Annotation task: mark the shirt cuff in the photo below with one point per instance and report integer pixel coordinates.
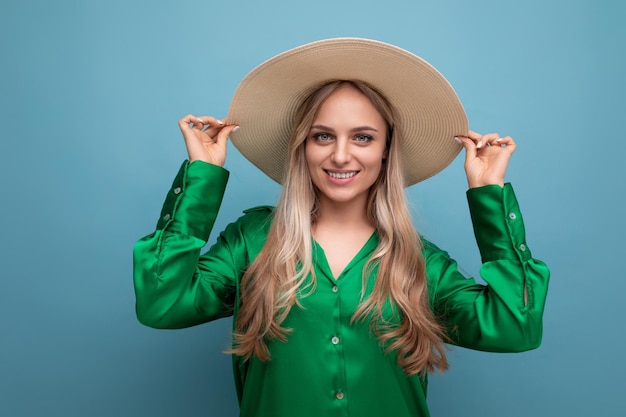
(194, 199)
(498, 223)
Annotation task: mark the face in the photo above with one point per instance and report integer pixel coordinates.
(345, 147)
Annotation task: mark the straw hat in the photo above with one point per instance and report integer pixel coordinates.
(429, 114)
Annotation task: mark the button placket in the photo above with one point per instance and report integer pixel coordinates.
(336, 343)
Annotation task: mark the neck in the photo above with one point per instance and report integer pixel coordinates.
(342, 216)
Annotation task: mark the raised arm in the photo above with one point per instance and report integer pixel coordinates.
(506, 314)
(174, 286)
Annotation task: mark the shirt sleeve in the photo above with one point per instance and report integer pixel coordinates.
(175, 286)
(506, 314)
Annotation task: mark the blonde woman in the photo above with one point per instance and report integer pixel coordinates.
(340, 307)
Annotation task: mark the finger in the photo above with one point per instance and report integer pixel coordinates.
(473, 135)
(184, 122)
(477, 138)
(211, 125)
(197, 123)
(210, 121)
(222, 136)
(213, 129)
(469, 145)
(506, 142)
(487, 140)
(190, 122)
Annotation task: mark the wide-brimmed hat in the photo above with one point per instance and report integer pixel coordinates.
(427, 110)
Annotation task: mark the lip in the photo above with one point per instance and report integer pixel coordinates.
(338, 180)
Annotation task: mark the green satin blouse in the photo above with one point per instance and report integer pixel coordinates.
(329, 366)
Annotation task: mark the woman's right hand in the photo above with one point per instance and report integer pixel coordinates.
(205, 138)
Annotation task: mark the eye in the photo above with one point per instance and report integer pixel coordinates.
(361, 138)
(322, 137)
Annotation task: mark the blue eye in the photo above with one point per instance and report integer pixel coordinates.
(363, 138)
(322, 137)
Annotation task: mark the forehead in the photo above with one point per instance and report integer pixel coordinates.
(348, 102)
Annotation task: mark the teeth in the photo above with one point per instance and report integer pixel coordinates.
(342, 175)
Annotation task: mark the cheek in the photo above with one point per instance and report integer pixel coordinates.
(313, 155)
(377, 159)
(311, 162)
(308, 157)
(380, 167)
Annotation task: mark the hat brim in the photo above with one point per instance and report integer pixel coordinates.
(428, 111)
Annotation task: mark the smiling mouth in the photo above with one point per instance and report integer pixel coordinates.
(342, 175)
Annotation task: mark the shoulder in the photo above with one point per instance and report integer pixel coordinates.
(254, 220)
(249, 232)
(429, 249)
(259, 210)
(257, 214)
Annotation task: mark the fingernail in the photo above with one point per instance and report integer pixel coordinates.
(499, 140)
(236, 128)
(458, 140)
(220, 122)
(479, 144)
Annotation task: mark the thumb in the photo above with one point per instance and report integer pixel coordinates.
(469, 145)
(222, 136)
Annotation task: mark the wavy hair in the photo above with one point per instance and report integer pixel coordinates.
(271, 285)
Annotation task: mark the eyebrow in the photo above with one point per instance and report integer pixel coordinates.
(358, 128)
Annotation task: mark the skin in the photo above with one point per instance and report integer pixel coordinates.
(348, 137)
(486, 158)
(206, 137)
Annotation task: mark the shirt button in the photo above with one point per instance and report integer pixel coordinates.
(512, 216)
(334, 340)
(522, 247)
(339, 395)
(335, 288)
(167, 217)
(177, 190)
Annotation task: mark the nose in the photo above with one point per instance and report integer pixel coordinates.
(341, 152)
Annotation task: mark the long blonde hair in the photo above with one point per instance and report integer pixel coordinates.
(272, 283)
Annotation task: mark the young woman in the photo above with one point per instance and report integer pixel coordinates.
(339, 306)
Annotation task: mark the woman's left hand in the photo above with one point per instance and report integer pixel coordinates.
(486, 158)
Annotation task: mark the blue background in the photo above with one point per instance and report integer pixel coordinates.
(90, 96)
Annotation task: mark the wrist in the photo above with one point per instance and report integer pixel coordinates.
(477, 184)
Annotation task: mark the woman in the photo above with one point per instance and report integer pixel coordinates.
(340, 307)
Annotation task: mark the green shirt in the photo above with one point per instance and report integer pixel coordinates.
(329, 366)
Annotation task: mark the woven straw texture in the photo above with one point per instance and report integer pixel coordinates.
(429, 114)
